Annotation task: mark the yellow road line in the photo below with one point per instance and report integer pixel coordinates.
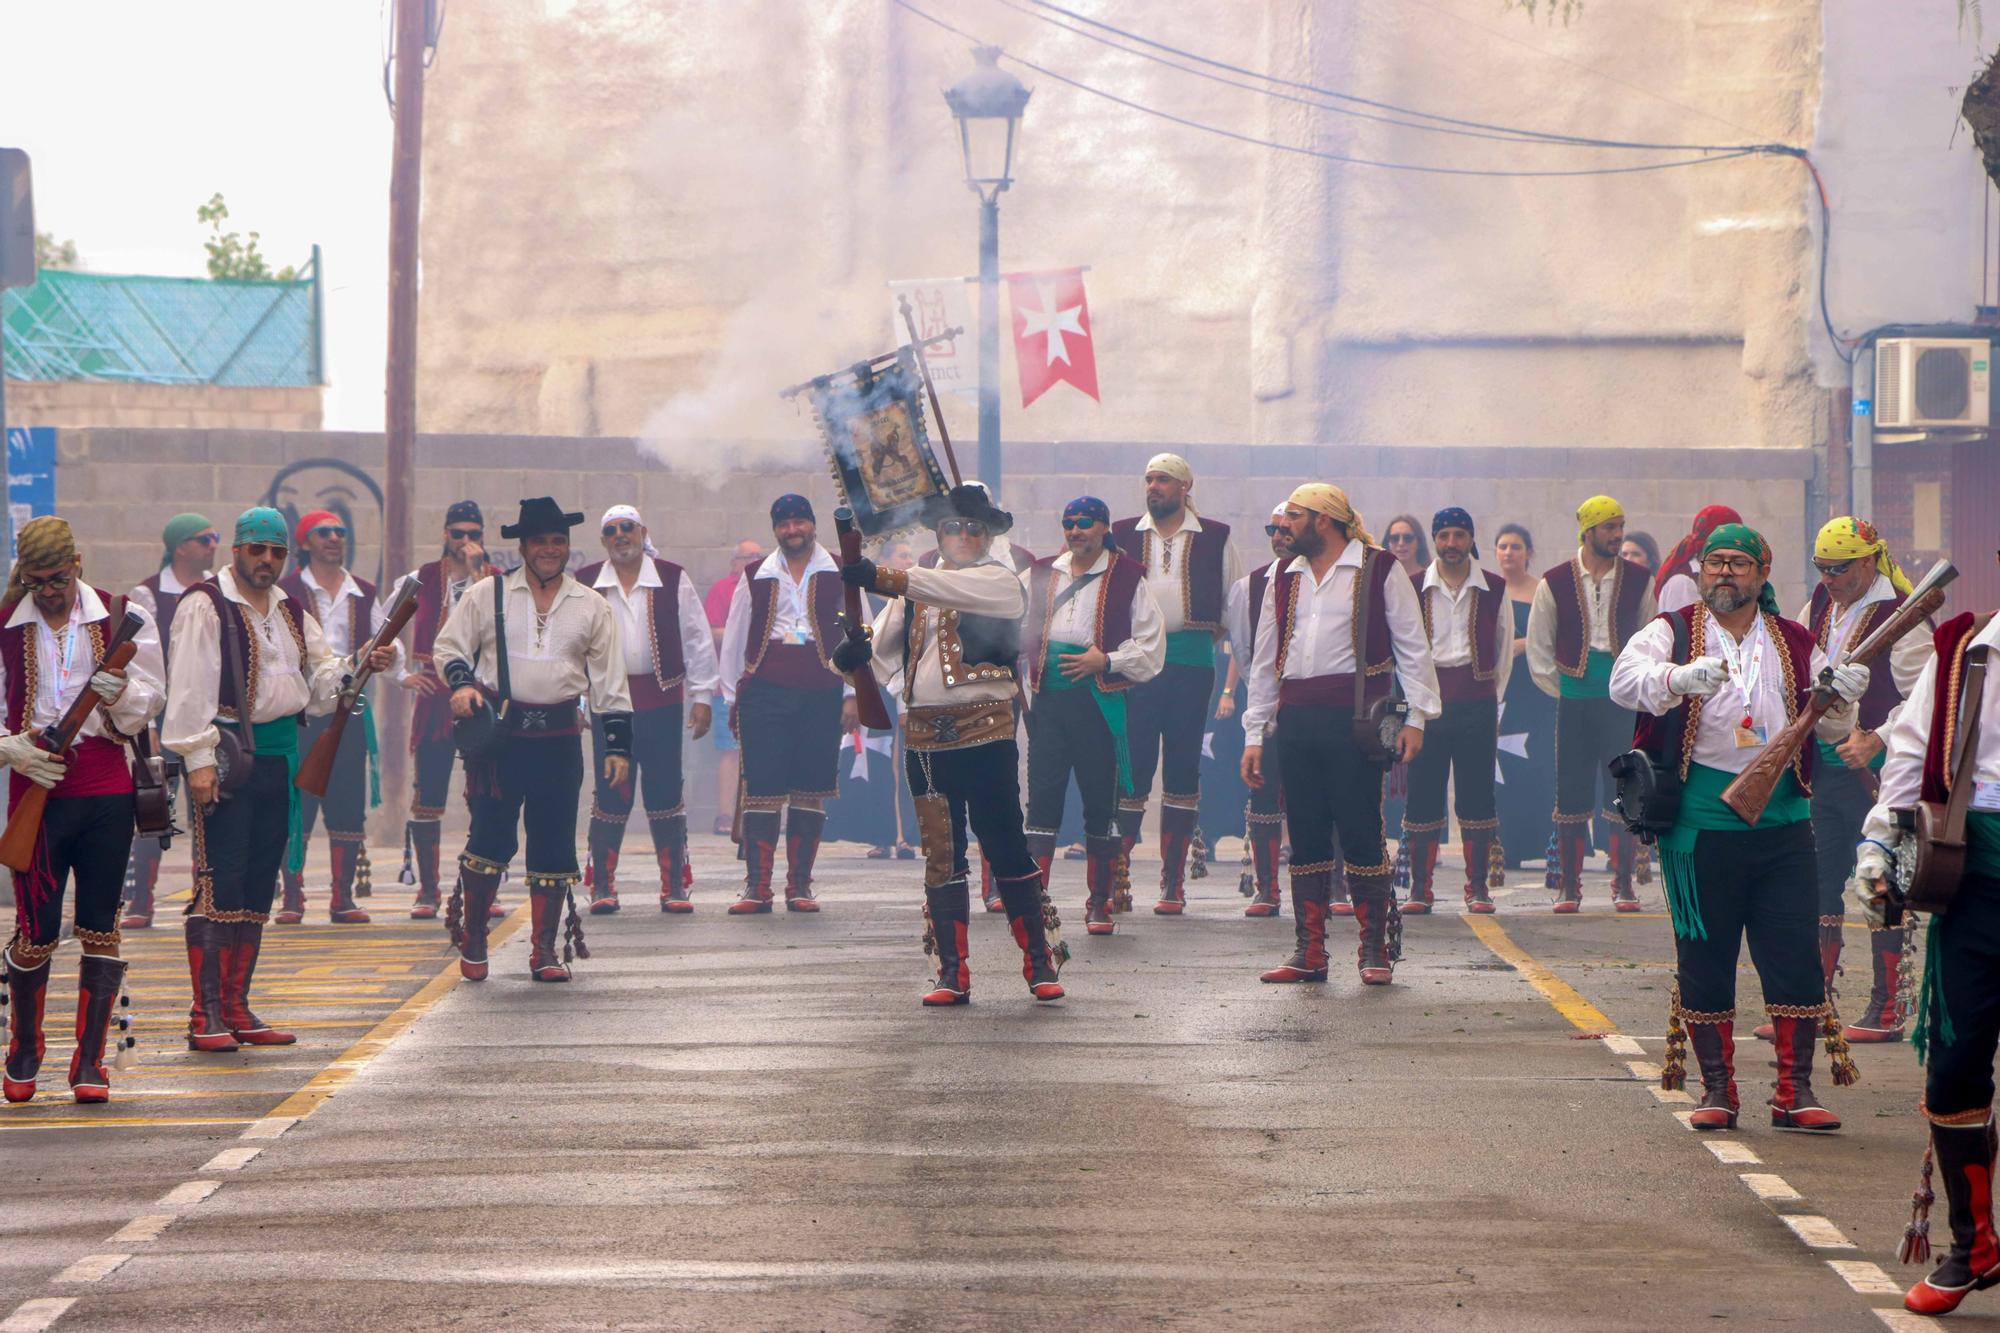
(1559, 993)
(356, 1057)
(109, 1122)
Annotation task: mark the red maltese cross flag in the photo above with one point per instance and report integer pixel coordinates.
(1052, 332)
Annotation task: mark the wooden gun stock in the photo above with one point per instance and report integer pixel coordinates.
(316, 770)
(1751, 789)
(24, 823)
(868, 702)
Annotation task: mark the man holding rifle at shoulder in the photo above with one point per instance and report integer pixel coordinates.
(248, 660)
(348, 615)
(1715, 685)
(56, 633)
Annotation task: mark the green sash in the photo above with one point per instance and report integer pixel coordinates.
(1594, 683)
(1830, 756)
(1702, 809)
(1191, 647)
(1111, 705)
(1982, 857)
(279, 738)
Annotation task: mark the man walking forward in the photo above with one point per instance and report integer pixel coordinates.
(1264, 812)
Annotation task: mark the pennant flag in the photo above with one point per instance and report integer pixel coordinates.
(938, 304)
(1052, 332)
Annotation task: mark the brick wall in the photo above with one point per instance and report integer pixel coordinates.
(91, 403)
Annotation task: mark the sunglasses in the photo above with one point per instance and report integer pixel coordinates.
(1716, 564)
(258, 550)
(1273, 529)
(1834, 571)
(1086, 523)
(328, 530)
(206, 538)
(53, 583)
(622, 525)
(1401, 539)
(961, 527)
(465, 534)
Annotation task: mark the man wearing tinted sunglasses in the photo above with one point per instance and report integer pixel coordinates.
(349, 615)
(669, 655)
(190, 542)
(1264, 814)
(248, 659)
(440, 584)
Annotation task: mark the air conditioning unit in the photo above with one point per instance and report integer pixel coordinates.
(1932, 383)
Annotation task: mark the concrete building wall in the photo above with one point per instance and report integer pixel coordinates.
(201, 406)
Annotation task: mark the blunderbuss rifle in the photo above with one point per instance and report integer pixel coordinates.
(24, 825)
(317, 770)
(1751, 789)
(868, 705)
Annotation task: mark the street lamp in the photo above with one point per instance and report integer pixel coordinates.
(987, 104)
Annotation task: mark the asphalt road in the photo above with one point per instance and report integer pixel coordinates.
(751, 1123)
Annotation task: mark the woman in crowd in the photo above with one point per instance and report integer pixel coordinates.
(1642, 549)
(1527, 717)
(1404, 539)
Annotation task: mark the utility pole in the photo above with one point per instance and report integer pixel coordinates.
(412, 31)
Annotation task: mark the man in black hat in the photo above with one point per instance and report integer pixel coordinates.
(953, 634)
(440, 585)
(560, 641)
(786, 703)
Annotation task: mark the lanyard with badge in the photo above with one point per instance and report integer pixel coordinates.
(1746, 668)
(65, 661)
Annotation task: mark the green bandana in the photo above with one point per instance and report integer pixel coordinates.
(262, 525)
(179, 528)
(1744, 538)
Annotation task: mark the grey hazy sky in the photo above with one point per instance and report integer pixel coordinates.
(135, 111)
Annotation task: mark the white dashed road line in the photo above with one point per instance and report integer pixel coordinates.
(232, 1159)
(1816, 1231)
(141, 1229)
(1905, 1322)
(36, 1315)
(1866, 1278)
(188, 1193)
(92, 1268)
(1769, 1188)
(1732, 1153)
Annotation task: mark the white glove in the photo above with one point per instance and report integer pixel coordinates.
(1872, 869)
(109, 685)
(1850, 681)
(37, 765)
(1703, 676)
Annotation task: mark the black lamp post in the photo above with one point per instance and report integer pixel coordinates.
(987, 104)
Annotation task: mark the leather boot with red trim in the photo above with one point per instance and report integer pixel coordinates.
(1308, 961)
(242, 942)
(950, 906)
(1793, 1105)
(1830, 940)
(342, 910)
(1479, 845)
(1374, 909)
(207, 1029)
(1131, 824)
(545, 904)
(989, 893)
(606, 838)
(1882, 1020)
(138, 908)
(467, 918)
(1624, 860)
(424, 835)
(1101, 857)
(1339, 899)
(1715, 1050)
(1266, 838)
(292, 904)
(803, 828)
(1023, 901)
(760, 857)
(670, 843)
(1176, 838)
(1965, 1159)
(99, 980)
(1572, 845)
(1423, 848)
(27, 991)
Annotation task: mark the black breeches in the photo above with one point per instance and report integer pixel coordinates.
(1590, 733)
(86, 838)
(1756, 884)
(1166, 718)
(346, 803)
(1966, 956)
(534, 782)
(984, 779)
(1459, 744)
(1070, 736)
(791, 741)
(239, 846)
(656, 761)
(1841, 799)
(1333, 797)
(434, 761)
(1269, 800)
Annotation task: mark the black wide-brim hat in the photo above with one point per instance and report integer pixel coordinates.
(970, 500)
(540, 516)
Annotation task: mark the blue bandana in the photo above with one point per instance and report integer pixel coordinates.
(1451, 516)
(791, 506)
(262, 525)
(1088, 506)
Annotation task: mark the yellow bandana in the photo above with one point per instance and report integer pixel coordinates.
(1847, 538)
(1597, 509)
(1325, 498)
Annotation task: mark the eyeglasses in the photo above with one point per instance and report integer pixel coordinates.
(258, 550)
(1835, 571)
(465, 534)
(1718, 564)
(961, 527)
(206, 538)
(1086, 523)
(52, 583)
(622, 525)
(1273, 529)
(328, 530)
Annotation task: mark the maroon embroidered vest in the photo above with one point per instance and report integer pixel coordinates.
(164, 604)
(1202, 590)
(800, 666)
(1260, 579)
(663, 606)
(1882, 693)
(17, 651)
(1120, 579)
(1475, 679)
(1374, 650)
(1670, 736)
(1629, 582)
(1952, 640)
(233, 627)
(360, 610)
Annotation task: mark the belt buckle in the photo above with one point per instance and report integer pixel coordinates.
(534, 719)
(944, 729)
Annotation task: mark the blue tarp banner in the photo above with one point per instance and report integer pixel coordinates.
(31, 477)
